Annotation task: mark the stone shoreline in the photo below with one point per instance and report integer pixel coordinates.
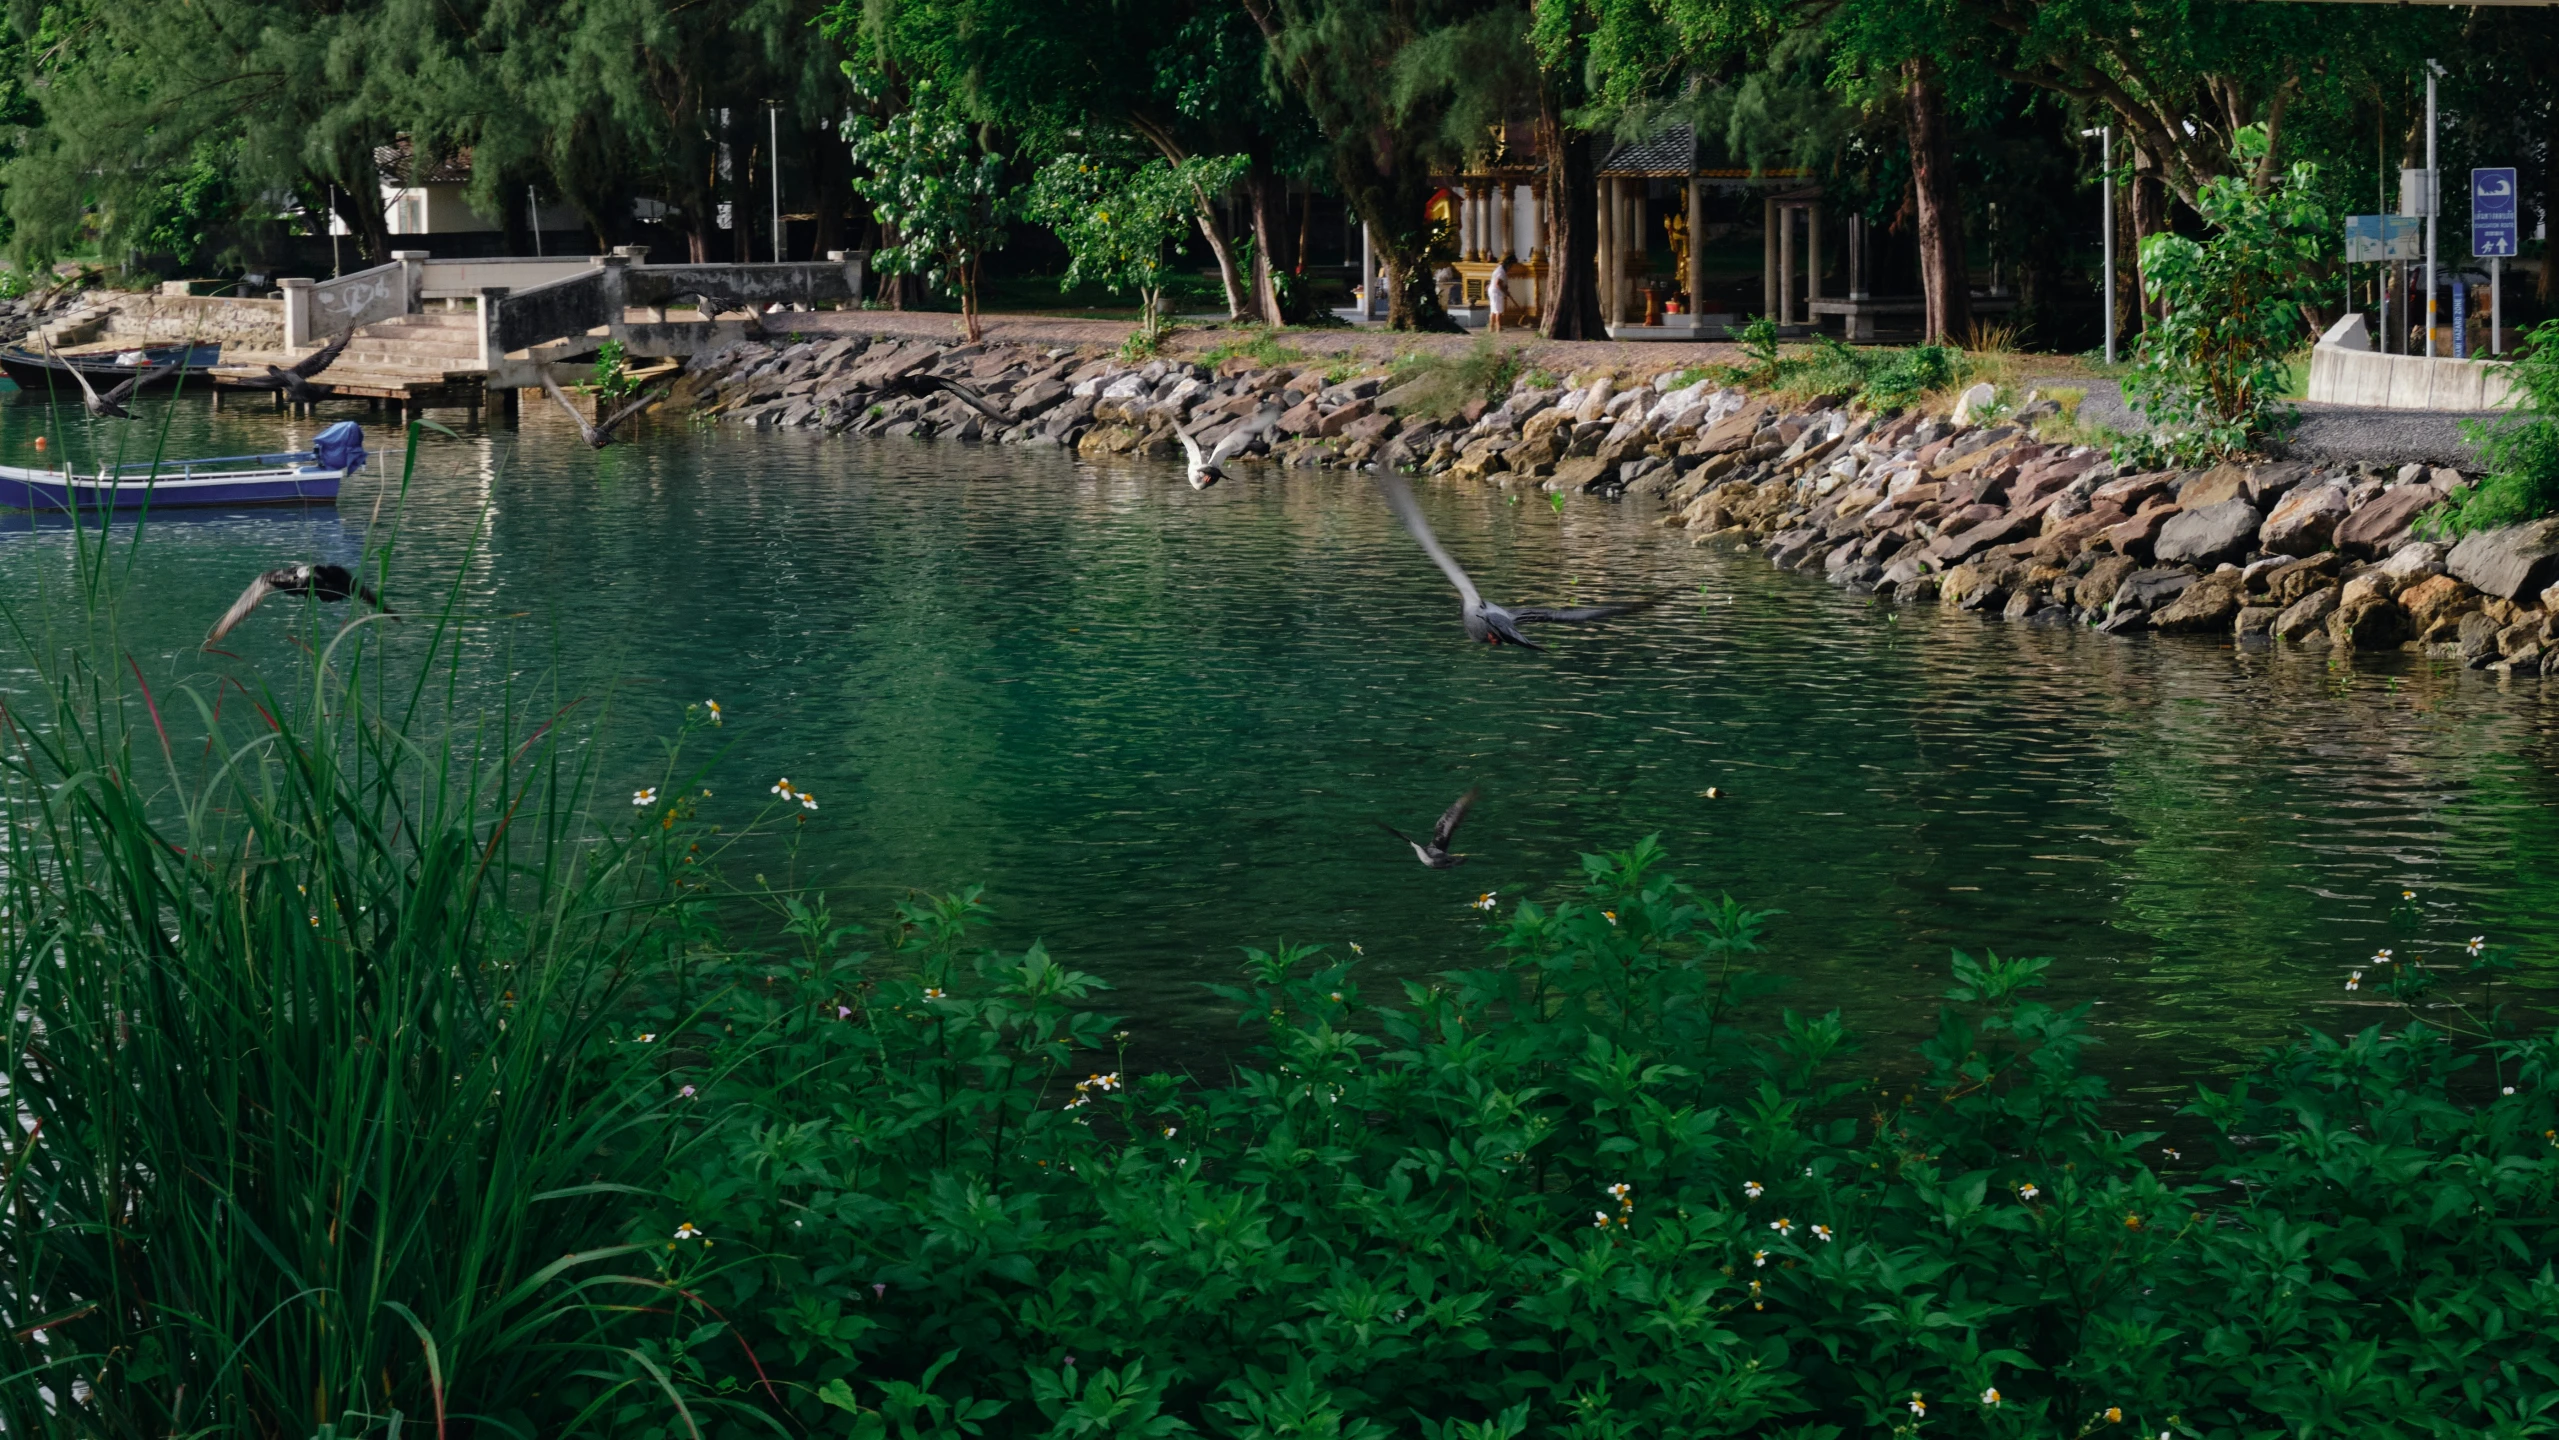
(1968, 512)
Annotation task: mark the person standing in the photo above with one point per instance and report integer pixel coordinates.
(1497, 293)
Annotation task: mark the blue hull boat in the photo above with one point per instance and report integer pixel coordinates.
(294, 477)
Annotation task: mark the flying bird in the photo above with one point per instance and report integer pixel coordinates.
(1493, 624)
(1436, 854)
(324, 582)
(1204, 470)
(598, 433)
(921, 385)
(295, 379)
(109, 405)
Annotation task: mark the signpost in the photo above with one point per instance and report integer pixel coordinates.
(2495, 229)
(2381, 239)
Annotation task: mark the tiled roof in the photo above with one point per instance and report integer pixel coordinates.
(1668, 151)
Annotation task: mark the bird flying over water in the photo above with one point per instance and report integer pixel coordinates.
(1436, 854)
(101, 407)
(598, 433)
(1204, 470)
(295, 379)
(324, 582)
(1491, 623)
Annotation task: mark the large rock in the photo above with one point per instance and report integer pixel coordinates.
(1580, 474)
(2255, 622)
(2268, 483)
(2098, 586)
(2208, 605)
(2478, 640)
(2304, 521)
(2308, 614)
(2383, 517)
(1999, 529)
(2288, 583)
(2211, 535)
(2435, 607)
(2214, 486)
(2511, 563)
(2135, 537)
(2148, 590)
(2368, 622)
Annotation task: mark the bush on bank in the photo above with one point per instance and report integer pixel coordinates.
(431, 1105)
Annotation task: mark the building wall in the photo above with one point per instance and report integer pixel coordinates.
(438, 209)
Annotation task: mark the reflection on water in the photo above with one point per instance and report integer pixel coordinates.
(1160, 724)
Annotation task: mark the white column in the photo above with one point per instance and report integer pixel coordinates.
(1695, 279)
(1785, 264)
(297, 312)
(1607, 250)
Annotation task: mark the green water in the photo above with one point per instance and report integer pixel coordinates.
(1159, 725)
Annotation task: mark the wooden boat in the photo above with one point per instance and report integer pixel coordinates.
(294, 477)
(158, 364)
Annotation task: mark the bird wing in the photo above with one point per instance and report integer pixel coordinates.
(1569, 615)
(585, 427)
(1400, 496)
(1449, 820)
(1398, 834)
(86, 389)
(124, 390)
(1191, 451)
(259, 589)
(1233, 444)
(322, 358)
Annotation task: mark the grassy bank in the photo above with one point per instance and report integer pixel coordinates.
(384, 1066)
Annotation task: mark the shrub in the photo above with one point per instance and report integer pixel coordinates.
(2520, 451)
(2210, 372)
(1439, 386)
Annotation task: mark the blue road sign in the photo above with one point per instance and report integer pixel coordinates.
(2495, 218)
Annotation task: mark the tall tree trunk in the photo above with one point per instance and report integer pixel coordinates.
(1942, 277)
(1269, 197)
(1214, 232)
(361, 212)
(2149, 217)
(1572, 220)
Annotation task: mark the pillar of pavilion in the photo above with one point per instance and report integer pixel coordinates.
(1500, 207)
(1642, 184)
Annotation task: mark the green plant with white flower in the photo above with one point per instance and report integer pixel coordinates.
(1121, 222)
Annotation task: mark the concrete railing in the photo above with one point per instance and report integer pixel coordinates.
(316, 311)
(2346, 370)
(601, 296)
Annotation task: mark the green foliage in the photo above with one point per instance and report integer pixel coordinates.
(1120, 224)
(1581, 1191)
(2210, 371)
(2520, 451)
(612, 379)
(1259, 342)
(1880, 379)
(320, 1118)
(924, 175)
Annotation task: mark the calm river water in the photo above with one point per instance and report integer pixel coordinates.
(1158, 725)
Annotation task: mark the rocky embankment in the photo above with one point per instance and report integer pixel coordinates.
(1971, 512)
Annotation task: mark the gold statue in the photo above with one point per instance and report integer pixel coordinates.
(1676, 226)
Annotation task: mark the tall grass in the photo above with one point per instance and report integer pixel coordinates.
(312, 979)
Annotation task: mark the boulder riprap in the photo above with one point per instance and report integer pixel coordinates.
(1972, 511)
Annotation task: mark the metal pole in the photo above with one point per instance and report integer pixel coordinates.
(2497, 303)
(775, 159)
(334, 268)
(2432, 206)
(533, 218)
(1367, 275)
(2106, 151)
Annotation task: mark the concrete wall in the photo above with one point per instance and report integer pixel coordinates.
(2343, 372)
(235, 323)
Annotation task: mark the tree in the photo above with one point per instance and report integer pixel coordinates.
(1387, 109)
(1117, 222)
(923, 173)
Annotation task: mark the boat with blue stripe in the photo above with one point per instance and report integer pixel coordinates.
(292, 477)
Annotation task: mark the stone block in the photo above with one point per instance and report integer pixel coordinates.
(2383, 518)
(2207, 606)
(2368, 622)
(2218, 532)
(2511, 563)
(2213, 487)
(2307, 615)
(2435, 606)
(2304, 521)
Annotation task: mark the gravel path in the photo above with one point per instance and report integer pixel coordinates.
(2328, 434)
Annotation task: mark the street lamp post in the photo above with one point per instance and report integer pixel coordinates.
(2106, 158)
(774, 112)
(2434, 203)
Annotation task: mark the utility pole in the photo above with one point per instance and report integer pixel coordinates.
(2433, 204)
(774, 113)
(2106, 158)
(533, 219)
